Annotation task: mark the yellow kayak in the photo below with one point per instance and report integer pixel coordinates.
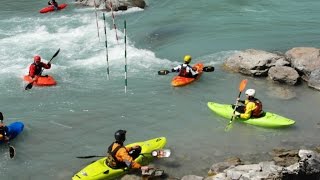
(98, 170)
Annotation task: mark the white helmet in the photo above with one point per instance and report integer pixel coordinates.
(250, 92)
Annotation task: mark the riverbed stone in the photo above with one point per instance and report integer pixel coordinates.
(284, 74)
(304, 59)
(314, 79)
(253, 62)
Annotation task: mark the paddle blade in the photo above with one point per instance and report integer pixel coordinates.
(87, 157)
(1, 116)
(229, 126)
(208, 69)
(243, 85)
(55, 54)
(163, 72)
(29, 86)
(12, 151)
(161, 153)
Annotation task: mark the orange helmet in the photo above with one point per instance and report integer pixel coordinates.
(37, 58)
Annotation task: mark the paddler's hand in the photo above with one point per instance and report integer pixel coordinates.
(237, 114)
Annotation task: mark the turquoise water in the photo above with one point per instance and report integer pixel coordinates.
(79, 116)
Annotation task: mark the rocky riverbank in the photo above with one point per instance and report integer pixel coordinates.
(285, 164)
(299, 63)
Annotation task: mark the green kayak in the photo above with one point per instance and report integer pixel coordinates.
(98, 170)
(269, 120)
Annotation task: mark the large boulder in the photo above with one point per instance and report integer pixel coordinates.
(304, 59)
(284, 74)
(314, 79)
(253, 62)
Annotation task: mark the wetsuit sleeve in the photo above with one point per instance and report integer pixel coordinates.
(32, 70)
(250, 106)
(176, 69)
(189, 69)
(123, 156)
(46, 66)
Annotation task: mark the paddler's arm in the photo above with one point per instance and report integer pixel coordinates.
(176, 69)
(123, 155)
(249, 108)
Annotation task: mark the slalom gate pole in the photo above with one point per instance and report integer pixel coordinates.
(125, 57)
(106, 43)
(95, 10)
(114, 25)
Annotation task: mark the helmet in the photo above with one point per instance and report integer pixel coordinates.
(187, 58)
(250, 92)
(37, 58)
(120, 135)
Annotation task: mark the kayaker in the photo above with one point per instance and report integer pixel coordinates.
(54, 4)
(120, 156)
(252, 108)
(185, 70)
(35, 68)
(3, 132)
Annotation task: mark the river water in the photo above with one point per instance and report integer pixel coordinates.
(79, 116)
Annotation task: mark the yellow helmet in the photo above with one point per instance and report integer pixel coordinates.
(187, 58)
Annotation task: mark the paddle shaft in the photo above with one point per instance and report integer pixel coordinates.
(164, 150)
(242, 85)
(205, 69)
(235, 107)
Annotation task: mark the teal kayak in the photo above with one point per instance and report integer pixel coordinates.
(270, 120)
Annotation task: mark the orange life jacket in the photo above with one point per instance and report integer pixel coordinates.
(112, 160)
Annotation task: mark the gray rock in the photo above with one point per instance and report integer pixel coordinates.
(284, 74)
(314, 79)
(253, 62)
(192, 177)
(304, 59)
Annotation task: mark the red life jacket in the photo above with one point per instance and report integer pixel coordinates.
(183, 71)
(257, 112)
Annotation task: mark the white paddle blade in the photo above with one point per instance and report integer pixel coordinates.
(160, 153)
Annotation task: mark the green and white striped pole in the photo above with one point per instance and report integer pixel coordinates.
(125, 57)
(106, 42)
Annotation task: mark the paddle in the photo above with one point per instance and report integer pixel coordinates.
(12, 151)
(29, 86)
(242, 85)
(160, 153)
(205, 69)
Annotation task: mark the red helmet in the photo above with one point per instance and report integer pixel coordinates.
(37, 58)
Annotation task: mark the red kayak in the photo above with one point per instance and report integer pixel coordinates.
(51, 8)
(41, 81)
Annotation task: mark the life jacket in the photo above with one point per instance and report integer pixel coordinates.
(183, 71)
(38, 68)
(257, 112)
(112, 160)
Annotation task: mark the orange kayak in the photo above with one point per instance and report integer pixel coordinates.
(182, 81)
(42, 80)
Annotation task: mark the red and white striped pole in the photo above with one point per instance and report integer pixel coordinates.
(114, 25)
